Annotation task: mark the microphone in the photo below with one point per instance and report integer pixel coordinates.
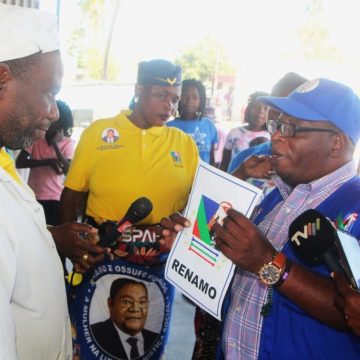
(313, 238)
(137, 211)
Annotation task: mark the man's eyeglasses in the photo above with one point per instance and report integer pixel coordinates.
(290, 130)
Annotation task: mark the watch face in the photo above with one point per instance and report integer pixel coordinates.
(270, 274)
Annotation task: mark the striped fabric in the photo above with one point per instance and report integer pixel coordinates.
(244, 322)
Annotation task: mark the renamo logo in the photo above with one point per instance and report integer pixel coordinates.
(310, 229)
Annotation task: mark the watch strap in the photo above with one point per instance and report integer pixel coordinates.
(284, 274)
(279, 260)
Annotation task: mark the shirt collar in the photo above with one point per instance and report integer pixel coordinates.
(7, 163)
(127, 124)
(334, 179)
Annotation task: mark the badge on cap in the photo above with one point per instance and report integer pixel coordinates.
(308, 86)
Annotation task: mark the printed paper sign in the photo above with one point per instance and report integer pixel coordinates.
(195, 266)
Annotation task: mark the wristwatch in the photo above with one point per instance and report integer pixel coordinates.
(270, 274)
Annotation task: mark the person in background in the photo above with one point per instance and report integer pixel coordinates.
(34, 316)
(254, 164)
(239, 138)
(210, 113)
(49, 160)
(191, 119)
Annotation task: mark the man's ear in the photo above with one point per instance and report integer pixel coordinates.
(340, 144)
(5, 77)
(109, 303)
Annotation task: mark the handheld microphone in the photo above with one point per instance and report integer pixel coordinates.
(137, 211)
(313, 238)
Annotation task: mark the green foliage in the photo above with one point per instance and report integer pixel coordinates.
(314, 36)
(204, 60)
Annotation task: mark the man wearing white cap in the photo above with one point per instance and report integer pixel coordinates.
(33, 308)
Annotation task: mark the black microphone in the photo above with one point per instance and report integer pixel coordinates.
(313, 238)
(137, 211)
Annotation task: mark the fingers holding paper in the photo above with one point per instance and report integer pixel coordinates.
(169, 227)
(242, 242)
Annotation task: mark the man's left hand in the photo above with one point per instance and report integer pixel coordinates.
(242, 242)
(169, 227)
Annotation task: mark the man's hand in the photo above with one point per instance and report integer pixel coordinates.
(242, 242)
(80, 250)
(347, 301)
(255, 167)
(169, 227)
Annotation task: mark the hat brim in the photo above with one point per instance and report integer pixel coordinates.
(291, 107)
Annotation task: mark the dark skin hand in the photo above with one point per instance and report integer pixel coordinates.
(169, 227)
(71, 244)
(255, 167)
(24, 161)
(71, 203)
(347, 300)
(244, 244)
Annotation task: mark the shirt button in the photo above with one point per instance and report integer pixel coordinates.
(288, 210)
(237, 308)
(144, 132)
(37, 209)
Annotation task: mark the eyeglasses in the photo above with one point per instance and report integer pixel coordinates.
(290, 130)
(126, 303)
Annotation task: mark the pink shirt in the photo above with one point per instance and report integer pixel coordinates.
(45, 182)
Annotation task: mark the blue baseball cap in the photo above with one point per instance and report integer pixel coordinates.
(322, 100)
(159, 72)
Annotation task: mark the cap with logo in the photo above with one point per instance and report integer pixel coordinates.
(322, 100)
(25, 31)
(159, 72)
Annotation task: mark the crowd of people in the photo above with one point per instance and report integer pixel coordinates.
(298, 145)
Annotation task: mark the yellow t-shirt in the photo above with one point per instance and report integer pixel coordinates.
(7, 163)
(158, 163)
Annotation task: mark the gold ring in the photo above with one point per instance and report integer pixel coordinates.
(85, 257)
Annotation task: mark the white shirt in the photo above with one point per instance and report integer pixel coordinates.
(34, 321)
(123, 337)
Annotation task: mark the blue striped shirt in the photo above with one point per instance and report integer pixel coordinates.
(243, 322)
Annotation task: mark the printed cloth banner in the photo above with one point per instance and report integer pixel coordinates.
(121, 310)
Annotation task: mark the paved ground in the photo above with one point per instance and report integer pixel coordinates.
(181, 338)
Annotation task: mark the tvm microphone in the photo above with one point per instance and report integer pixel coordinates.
(313, 238)
(137, 211)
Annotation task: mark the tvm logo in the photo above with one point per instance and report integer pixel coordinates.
(310, 229)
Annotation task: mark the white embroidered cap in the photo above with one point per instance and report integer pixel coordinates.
(25, 31)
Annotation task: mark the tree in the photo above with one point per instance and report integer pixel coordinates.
(204, 61)
(92, 48)
(314, 36)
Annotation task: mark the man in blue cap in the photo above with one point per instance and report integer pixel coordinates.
(313, 141)
(280, 307)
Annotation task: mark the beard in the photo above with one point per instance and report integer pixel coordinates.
(17, 133)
